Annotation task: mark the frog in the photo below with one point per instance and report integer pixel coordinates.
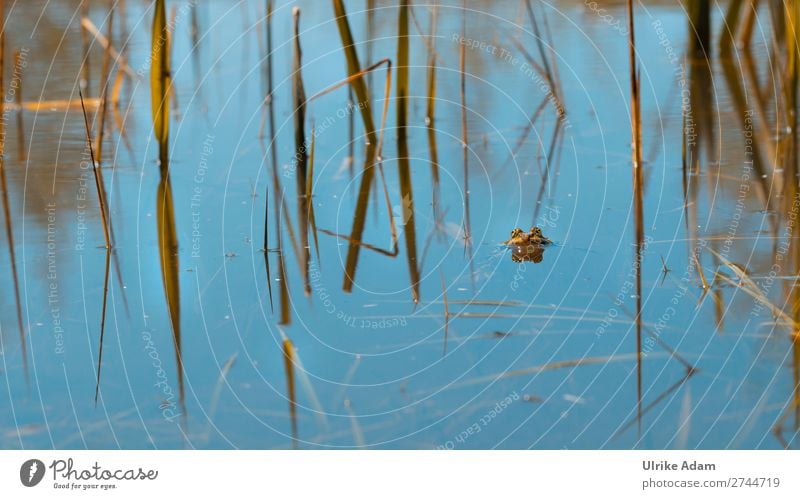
(527, 246)
(534, 236)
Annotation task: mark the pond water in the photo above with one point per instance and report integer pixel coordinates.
(495, 353)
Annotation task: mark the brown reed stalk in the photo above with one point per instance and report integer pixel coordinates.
(301, 152)
(104, 79)
(638, 201)
(404, 170)
(6, 206)
(288, 367)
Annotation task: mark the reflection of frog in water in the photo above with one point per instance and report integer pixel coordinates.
(527, 246)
